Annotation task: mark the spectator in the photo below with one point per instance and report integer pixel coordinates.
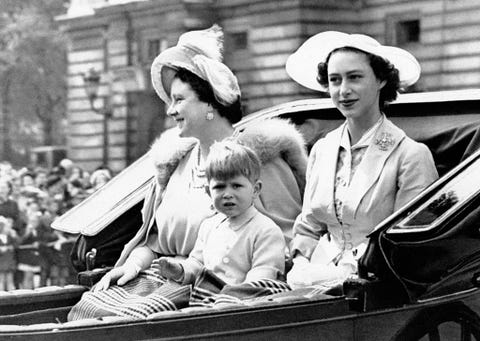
(8, 241)
(76, 173)
(56, 190)
(32, 258)
(76, 193)
(27, 179)
(66, 165)
(41, 178)
(6, 169)
(31, 199)
(99, 178)
(8, 207)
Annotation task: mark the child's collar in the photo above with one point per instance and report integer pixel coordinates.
(241, 220)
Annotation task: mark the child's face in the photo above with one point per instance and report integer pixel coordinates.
(233, 196)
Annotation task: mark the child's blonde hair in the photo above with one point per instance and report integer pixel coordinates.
(228, 159)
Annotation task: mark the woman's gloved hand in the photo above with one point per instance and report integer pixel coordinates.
(121, 275)
(304, 273)
(298, 276)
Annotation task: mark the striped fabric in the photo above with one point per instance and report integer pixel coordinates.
(148, 294)
(139, 298)
(211, 291)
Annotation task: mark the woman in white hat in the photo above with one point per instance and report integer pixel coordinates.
(203, 98)
(364, 170)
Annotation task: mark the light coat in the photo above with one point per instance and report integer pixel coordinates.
(281, 149)
(390, 174)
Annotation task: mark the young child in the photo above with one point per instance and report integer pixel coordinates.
(239, 244)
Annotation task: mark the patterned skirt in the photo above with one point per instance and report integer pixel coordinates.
(148, 294)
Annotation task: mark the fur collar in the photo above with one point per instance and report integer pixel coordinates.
(270, 138)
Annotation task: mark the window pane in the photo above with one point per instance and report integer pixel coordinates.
(408, 31)
(153, 48)
(444, 202)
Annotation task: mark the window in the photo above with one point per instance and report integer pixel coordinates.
(239, 40)
(407, 31)
(403, 28)
(154, 47)
(442, 204)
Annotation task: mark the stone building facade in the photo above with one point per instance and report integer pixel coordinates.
(120, 39)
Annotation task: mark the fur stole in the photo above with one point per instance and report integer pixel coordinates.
(270, 138)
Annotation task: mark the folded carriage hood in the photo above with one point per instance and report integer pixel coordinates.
(106, 204)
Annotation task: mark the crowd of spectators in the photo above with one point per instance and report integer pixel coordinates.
(32, 254)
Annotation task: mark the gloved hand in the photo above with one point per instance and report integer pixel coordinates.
(121, 275)
(298, 276)
(304, 273)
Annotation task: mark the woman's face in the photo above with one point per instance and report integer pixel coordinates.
(27, 180)
(187, 110)
(4, 190)
(76, 173)
(40, 179)
(100, 181)
(353, 86)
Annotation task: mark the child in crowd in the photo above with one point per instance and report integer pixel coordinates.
(239, 244)
(8, 241)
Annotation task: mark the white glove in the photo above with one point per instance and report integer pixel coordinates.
(121, 274)
(304, 273)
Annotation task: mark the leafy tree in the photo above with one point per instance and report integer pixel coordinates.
(33, 67)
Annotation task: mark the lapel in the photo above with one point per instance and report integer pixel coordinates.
(327, 169)
(385, 141)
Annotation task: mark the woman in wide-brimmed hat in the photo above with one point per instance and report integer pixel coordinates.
(203, 98)
(362, 171)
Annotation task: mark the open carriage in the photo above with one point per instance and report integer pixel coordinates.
(418, 279)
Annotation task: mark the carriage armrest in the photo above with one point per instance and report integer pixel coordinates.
(28, 300)
(369, 294)
(89, 277)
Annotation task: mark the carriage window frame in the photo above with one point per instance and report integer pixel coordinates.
(465, 185)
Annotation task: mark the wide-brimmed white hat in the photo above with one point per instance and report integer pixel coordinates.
(302, 65)
(199, 52)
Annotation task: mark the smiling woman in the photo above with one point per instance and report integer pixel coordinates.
(239, 244)
(362, 171)
(205, 101)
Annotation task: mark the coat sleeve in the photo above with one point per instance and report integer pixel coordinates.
(268, 259)
(195, 262)
(416, 172)
(307, 228)
(280, 199)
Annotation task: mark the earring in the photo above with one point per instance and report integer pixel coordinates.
(209, 116)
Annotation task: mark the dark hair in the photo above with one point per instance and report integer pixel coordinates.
(233, 113)
(228, 159)
(382, 68)
(29, 173)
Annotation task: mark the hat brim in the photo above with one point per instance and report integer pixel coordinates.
(302, 66)
(165, 66)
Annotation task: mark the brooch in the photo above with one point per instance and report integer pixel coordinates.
(385, 141)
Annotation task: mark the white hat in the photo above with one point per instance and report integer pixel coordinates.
(199, 52)
(302, 65)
